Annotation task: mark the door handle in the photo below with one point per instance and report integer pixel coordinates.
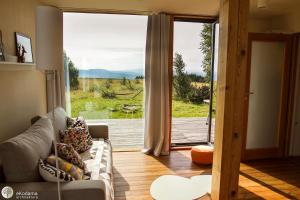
(249, 93)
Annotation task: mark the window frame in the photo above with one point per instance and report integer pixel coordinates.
(192, 19)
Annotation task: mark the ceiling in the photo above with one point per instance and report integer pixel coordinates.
(275, 8)
(193, 7)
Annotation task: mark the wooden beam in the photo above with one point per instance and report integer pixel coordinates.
(230, 97)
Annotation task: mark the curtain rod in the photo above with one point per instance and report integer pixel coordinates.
(133, 12)
(105, 11)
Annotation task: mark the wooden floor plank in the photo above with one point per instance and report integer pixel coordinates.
(266, 179)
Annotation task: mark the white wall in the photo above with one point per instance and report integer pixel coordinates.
(259, 25)
(289, 22)
(23, 93)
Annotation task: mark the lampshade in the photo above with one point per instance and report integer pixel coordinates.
(49, 38)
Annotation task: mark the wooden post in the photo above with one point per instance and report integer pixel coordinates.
(230, 98)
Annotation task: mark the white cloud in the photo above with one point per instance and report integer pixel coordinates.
(117, 42)
(114, 42)
(187, 42)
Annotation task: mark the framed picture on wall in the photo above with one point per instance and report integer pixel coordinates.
(2, 58)
(24, 48)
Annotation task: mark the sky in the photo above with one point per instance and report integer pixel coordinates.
(117, 42)
(186, 42)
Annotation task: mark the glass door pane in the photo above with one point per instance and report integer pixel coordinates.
(192, 55)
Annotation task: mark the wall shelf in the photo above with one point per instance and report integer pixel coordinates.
(14, 66)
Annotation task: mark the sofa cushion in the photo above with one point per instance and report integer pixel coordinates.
(67, 152)
(20, 155)
(49, 173)
(99, 160)
(67, 167)
(59, 120)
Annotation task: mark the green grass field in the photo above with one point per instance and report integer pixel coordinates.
(88, 102)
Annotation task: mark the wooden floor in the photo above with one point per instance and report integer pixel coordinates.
(268, 179)
(129, 133)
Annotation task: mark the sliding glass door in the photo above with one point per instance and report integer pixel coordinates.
(193, 81)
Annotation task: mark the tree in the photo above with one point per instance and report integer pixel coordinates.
(73, 73)
(196, 78)
(205, 47)
(139, 77)
(181, 83)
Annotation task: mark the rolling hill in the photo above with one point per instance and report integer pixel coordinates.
(103, 73)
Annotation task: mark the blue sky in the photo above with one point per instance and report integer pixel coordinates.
(117, 42)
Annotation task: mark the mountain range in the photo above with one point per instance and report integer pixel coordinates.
(103, 73)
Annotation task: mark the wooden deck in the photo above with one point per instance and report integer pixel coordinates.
(265, 179)
(129, 133)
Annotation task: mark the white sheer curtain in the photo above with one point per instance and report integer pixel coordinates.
(157, 85)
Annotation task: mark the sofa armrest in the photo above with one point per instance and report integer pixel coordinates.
(74, 190)
(98, 130)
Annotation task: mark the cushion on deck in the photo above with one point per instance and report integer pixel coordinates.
(202, 154)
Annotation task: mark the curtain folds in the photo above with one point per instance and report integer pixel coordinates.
(53, 90)
(156, 136)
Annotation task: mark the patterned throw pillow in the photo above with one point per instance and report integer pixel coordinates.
(67, 167)
(49, 173)
(69, 121)
(67, 152)
(78, 137)
(80, 122)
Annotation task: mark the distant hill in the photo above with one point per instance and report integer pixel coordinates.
(103, 73)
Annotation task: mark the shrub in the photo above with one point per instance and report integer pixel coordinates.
(197, 95)
(108, 94)
(107, 84)
(129, 85)
(95, 88)
(123, 81)
(205, 92)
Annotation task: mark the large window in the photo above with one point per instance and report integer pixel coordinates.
(104, 64)
(194, 82)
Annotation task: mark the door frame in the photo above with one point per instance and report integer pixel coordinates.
(183, 18)
(284, 98)
(293, 90)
